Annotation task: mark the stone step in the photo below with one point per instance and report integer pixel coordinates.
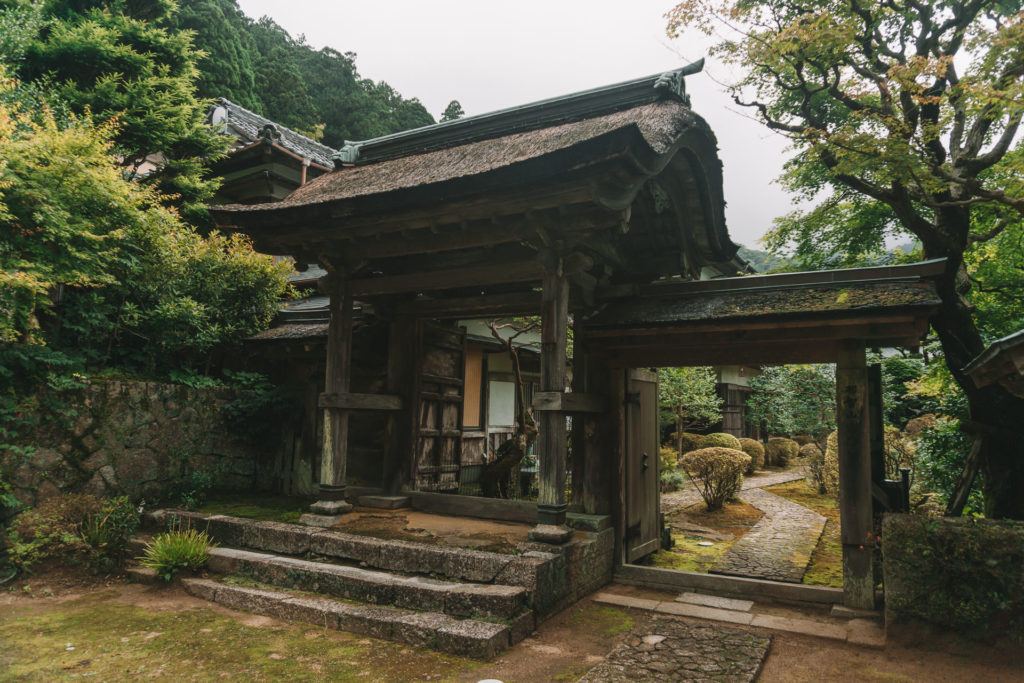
(373, 586)
(538, 572)
(441, 632)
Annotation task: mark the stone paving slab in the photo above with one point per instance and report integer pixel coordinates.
(716, 601)
(674, 651)
(779, 546)
(856, 631)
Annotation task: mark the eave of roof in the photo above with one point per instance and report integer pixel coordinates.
(845, 292)
(993, 355)
(248, 124)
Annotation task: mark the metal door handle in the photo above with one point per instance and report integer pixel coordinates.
(643, 463)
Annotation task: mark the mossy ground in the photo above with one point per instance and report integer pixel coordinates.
(826, 568)
(265, 508)
(96, 638)
(724, 527)
(601, 619)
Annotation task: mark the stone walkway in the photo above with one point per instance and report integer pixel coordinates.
(668, 650)
(779, 546)
(687, 496)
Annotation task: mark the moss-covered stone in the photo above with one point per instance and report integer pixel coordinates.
(961, 574)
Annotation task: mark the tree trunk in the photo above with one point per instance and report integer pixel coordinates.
(997, 414)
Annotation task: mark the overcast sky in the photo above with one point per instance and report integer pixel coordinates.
(490, 54)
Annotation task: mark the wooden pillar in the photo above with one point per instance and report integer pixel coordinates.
(593, 433)
(551, 504)
(334, 457)
(403, 348)
(855, 507)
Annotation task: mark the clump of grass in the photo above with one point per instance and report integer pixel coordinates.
(174, 551)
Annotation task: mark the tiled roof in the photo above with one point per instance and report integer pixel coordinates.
(247, 126)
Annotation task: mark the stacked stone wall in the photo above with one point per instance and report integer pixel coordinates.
(131, 438)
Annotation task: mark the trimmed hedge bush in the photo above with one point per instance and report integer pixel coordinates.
(716, 472)
(962, 573)
(827, 476)
(720, 440)
(810, 452)
(691, 441)
(755, 449)
(781, 451)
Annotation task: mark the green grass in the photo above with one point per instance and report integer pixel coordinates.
(826, 567)
(96, 639)
(687, 556)
(265, 508)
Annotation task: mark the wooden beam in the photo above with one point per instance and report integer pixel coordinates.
(349, 401)
(484, 274)
(403, 349)
(461, 308)
(574, 402)
(855, 508)
(767, 354)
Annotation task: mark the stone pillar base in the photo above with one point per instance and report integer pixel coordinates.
(330, 507)
(322, 521)
(550, 533)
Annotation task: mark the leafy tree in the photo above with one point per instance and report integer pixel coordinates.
(905, 114)
(96, 271)
(283, 89)
(795, 399)
(453, 111)
(119, 62)
(689, 396)
(228, 67)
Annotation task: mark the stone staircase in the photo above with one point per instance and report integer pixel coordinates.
(455, 600)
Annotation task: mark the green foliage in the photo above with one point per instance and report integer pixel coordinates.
(73, 528)
(794, 399)
(687, 397)
(899, 403)
(258, 407)
(763, 261)
(259, 65)
(453, 111)
(941, 452)
(120, 64)
(755, 449)
(963, 574)
(780, 451)
(720, 440)
(192, 489)
(669, 475)
(716, 472)
(175, 551)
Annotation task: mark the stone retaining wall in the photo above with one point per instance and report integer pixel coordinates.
(966, 575)
(133, 438)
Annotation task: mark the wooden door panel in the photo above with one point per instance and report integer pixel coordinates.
(643, 534)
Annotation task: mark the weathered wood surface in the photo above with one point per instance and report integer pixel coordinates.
(573, 402)
(350, 401)
(855, 508)
(334, 461)
(485, 274)
(551, 501)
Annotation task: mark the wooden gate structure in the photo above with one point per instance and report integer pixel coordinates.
(606, 207)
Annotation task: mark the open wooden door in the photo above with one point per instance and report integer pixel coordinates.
(642, 535)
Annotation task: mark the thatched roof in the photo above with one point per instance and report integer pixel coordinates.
(659, 125)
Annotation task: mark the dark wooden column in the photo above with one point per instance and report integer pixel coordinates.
(551, 504)
(855, 507)
(593, 433)
(403, 349)
(334, 458)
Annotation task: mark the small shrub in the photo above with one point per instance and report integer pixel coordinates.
(716, 472)
(109, 531)
(917, 425)
(671, 480)
(690, 441)
(191, 490)
(720, 440)
(803, 439)
(174, 551)
(810, 452)
(74, 529)
(755, 449)
(781, 451)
